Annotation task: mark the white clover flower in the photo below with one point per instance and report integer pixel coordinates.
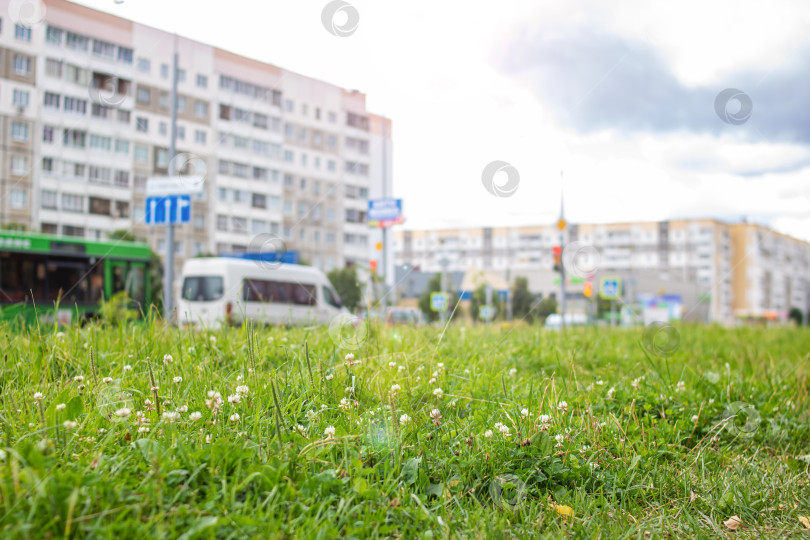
(401, 368)
(167, 359)
(69, 424)
(208, 437)
(432, 381)
(61, 407)
(235, 398)
(466, 371)
(544, 419)
(234, 417)
(435, 374)
(123, 412)
(711, 400)
(404, 419)
(81, 387)
(636, 384)
(589, 387)
(349, 389)
(600, 382)
(195, 416)
(330, 377)
(524, 413)
(242, 390)
(488, 434)
(695, 419)
(330, 430)
(60, 335)
(563, 406)
(171, 416)
(559, 438)
(78, 378)
(127, 367)
(310, 414)
(102, 430)
(438, 392)
(441, 365)
(182, 409)
(107, 379)
(392, 364)
(435, 414)
(420, 368)
(238, 378)
(301, 430)
(213, 340)
(214, 394)
(155, 388)
(177, 380)
(395, 388)
(513, 372)
(610, 392)
(192, 350)
(143, 429)
(681, 386)
(349, 358)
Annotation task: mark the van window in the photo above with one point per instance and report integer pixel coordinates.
(331, 297)
(260, 290)
(202, 288)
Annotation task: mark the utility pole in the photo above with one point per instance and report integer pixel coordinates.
(168, 278)
(385, 229)
(561, 226)
(444, 263)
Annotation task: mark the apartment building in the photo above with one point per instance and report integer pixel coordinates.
(739, 269)
(289, 161)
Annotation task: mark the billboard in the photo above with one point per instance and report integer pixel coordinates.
(384, 212)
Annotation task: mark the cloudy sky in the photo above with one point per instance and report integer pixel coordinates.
(621, 96)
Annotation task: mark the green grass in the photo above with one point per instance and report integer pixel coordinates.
(631, 461)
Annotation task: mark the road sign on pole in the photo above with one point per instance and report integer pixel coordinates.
(170, 209)
(439, 301)
(486, 313)
(610, 287)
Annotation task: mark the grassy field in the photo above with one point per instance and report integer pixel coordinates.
(477, 433)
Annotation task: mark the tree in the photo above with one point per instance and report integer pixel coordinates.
(345, 283)
(155, 267)
(522, 300)
(478, 299)
(546, 307)
(796, 315)
(434, 285)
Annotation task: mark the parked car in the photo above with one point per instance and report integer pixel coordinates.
(555, 320)
(397, 316)
(219, 290)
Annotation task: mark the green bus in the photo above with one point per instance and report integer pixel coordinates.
(65, 279)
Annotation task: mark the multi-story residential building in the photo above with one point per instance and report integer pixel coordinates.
(740, 269)
(289, 161)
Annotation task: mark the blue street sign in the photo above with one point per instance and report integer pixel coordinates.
(610, 287)
(439, 301)
(384, 212)
(168, 209)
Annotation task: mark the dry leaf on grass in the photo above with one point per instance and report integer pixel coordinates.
(692, 496)
(565, 511)
(805, 521)
(733, 523)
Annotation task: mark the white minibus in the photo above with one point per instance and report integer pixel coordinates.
(226, 290)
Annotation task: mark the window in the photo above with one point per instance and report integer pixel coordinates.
(121, 146)
(144, 65)
(123, 116)
(203, 289)
(161, 157)
(260, 121)
(141, 154)
(331, 141)
(239, 224)
(21, 98)
(74, 105)
(181, 75)
(199, 222)
(199, 136)
(139, 183)
(99, 175)
(331, 165)
(201, 109)
(121, 209)
(76, 41)
(100, 111)
(332, 118)
(19, 131)
(48, 199)
(47, 164)
(102, 48)
(288, 208)
(22, 65)
(17, 198)
(259, 200)
(164, 71)
(222, 194)
(75, 74)
(100, 206)
(70, 230)
(143, 96)
(274, 203)
(289, 105)
(255, 290)
(142, 124)
(100, 143)
(181, 133)
(72, 203)
(355, 120)
(330, 238)
(202, 81)
(303, 160)
(222, 223)
(163, 100)
(259, 173)
(125, 55)
(181, 104)
(53, 68)
(288, 156)
(22, 33)
(317, 113)
(54, 35)
(258, 226)
(74, 138)
(122, 178)
(241, 170)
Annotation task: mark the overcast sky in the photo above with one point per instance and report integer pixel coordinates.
(620, 95)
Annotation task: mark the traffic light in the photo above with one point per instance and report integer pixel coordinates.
(557, 250)
(373, 265)
(587, 289)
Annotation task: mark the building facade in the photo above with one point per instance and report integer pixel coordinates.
(735, 270)
(289, 161)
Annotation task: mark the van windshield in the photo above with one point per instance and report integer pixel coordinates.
(202, 288)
